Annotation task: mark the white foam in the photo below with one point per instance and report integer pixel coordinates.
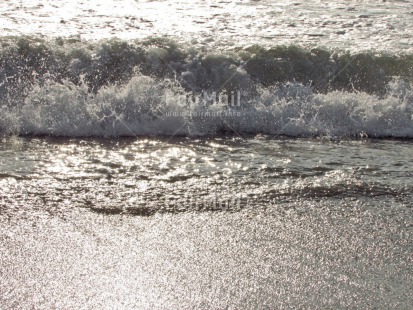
(140, 107)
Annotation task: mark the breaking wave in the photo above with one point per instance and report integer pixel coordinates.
(157, 87)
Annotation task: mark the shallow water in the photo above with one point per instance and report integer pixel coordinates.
(119, 175)
(212, 222)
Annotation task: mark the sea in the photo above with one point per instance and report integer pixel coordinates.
(205, 154)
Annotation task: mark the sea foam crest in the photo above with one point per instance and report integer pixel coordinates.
(142, 107)
(117, 88)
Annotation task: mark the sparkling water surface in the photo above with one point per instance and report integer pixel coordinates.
(152, 222)
(351, 25)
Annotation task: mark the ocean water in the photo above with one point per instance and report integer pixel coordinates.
(206, 154)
